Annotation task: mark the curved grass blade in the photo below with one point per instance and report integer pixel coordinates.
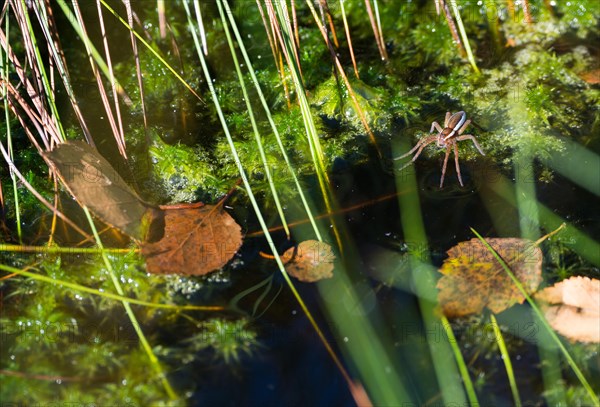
(463, 34)
(270, 118)
(136, 326)
(82, 288)
(250, 110)
(506, 359)
(460, 361)
(151, 49)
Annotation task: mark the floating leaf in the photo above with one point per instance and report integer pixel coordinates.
(91, 179)
(473, 278)
(310, 261)
(592, 77)
(572, 307)
(195, 242)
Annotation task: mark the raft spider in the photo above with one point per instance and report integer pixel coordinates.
(454, 125)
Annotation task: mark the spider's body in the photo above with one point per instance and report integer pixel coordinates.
(454, 125)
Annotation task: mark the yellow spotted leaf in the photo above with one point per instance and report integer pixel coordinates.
(474, 279)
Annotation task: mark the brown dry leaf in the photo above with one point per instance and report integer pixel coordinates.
(91, 179)
(310, 261)
(572, 307)
(195, 242)
(592, 77)
(474, 279)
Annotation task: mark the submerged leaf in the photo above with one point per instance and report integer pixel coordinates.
(97, 185)
(195, 242)
(310, 261)
(572, 307)
(473, 278)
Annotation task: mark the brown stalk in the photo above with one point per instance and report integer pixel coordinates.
(376, 31)
(452, 27)
(138, 68)
(295, 23)
(54, 37)
(349, 38)
(324, 8)
(162, 19)
(340, 69)
(120, 135)
(99, 82)
(37, 194)
(277, 29)
(527, 12)
(34, 89)
(275, 50)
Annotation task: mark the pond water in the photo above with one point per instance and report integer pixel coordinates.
(534, 112)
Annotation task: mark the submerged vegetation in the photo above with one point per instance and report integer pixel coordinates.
(287, 116)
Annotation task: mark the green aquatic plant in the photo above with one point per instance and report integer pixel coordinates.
(529, 103)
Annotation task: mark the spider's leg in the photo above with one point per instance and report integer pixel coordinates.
(464, 126)
(444, 167)
(422, 143)
(416, 155)
(447, 119)
(436, 126)
(457, 165)
(470, 137)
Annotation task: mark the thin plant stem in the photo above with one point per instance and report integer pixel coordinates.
(349, 38)
(351, 92)
(4, 70)
(249, 109)
(379, 29)
(506, 359)
(40, 66)
(284, 35)
(59, 60)
(253, 202)
(151, 49)
(136, 326)
(271, 121)
(104, 294)
(463, 34)
(460, 361)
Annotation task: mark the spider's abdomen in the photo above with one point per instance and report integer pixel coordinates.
(456, 121)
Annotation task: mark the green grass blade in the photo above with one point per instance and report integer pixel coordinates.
(267, 110)
(286, 38)
(460, 362)
(506, 359)
(149, 48)
(251, 196)
(84, 289)
(58, 61)
(525, 196)
(422, 274)
(250, 110)
(136, 326)
(463, 34)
